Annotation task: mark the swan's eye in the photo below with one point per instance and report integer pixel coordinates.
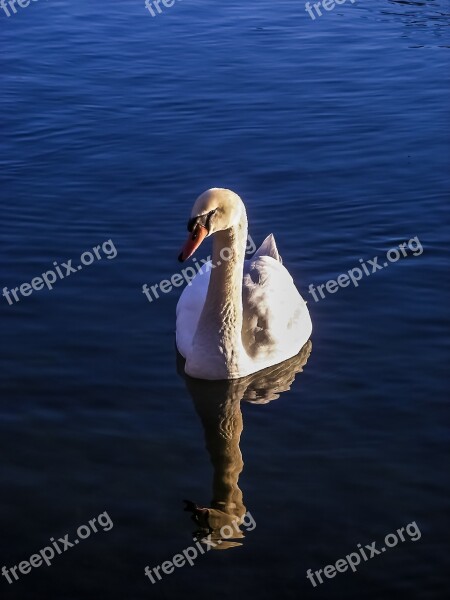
(202, 220)
(208, 219)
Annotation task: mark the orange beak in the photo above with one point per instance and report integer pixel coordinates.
(193, 242)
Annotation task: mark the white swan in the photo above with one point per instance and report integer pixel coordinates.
(240, 316)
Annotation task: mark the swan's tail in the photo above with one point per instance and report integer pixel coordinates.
(269, 248)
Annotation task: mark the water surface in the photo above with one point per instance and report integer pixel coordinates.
(335, 133)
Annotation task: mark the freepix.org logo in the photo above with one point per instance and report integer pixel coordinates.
(49, 278)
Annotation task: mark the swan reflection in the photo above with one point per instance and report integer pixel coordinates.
(217, 404)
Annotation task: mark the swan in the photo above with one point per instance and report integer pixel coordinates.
(237, 316)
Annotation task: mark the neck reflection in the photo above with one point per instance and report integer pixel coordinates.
(218, 405)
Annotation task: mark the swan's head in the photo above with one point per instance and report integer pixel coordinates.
(215, 210)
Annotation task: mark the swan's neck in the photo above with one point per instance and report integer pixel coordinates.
(219, 332)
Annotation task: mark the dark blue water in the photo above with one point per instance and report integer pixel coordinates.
(335, 133)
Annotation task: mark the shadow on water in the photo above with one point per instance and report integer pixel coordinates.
(218, 405)
(431, 14)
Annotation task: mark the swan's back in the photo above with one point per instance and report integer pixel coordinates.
(276, 322)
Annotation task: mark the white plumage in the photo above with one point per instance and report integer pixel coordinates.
(239, 316)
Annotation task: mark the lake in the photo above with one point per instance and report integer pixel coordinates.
(334, 131)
